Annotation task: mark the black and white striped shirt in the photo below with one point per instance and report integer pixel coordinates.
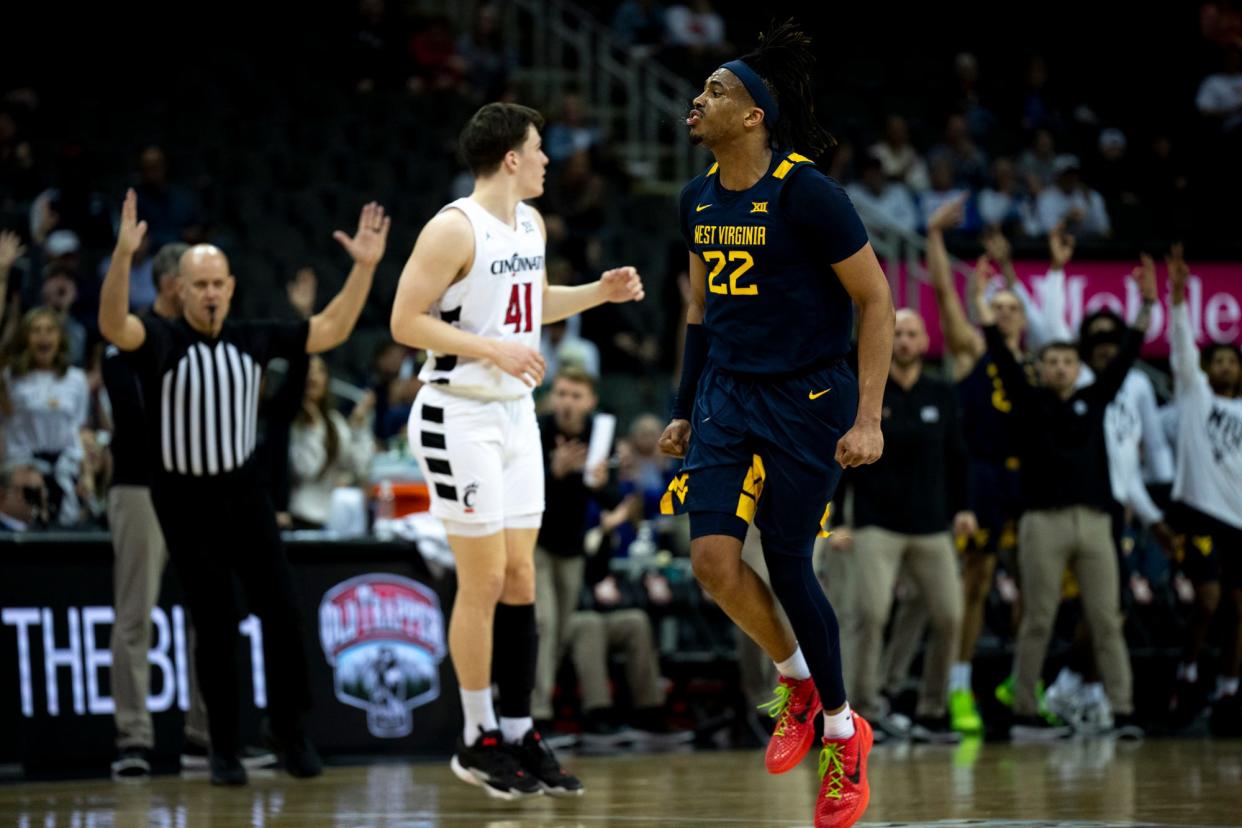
(202, 394)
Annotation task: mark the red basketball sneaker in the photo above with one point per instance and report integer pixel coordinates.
(795, 707)
(844, 791)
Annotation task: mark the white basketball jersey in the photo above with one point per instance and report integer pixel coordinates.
(500, 298)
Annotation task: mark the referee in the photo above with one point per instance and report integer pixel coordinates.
(200, 376)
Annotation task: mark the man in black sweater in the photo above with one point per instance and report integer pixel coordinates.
(1067, 499)
(903, 506)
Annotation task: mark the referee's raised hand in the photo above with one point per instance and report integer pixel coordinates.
(133, 231)
(366, 247)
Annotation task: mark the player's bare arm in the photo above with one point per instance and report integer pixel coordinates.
(675, 440)
(863, 279)
(116, 323)
(443, 254)
(962, 340)
(331, 326)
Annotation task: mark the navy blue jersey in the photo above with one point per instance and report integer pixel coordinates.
(987, 414)
(774, 304)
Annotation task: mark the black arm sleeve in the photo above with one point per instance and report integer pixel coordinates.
(693, 360)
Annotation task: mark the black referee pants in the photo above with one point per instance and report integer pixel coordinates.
(221, 537)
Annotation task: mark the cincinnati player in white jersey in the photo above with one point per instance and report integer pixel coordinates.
(474, 295)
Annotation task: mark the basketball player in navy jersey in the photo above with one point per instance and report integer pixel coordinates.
(768, 413)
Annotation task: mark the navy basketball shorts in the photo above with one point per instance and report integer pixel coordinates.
(1206, 550)
(762, 451)
(995, 497)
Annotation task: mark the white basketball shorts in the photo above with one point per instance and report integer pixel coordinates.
(482, 460)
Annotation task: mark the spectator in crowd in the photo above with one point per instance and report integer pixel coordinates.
(900, 160)
(969, 101)
(639, 24)
(61, 251)
(1221, 23)
(945, 191)
(376, 47)
(1207, 502)
(46, 403)
(694, 24)
(571, 133)
(59, 294)
(1165, 188)
(72, 203)
(1038, 109)
(1072, 204)
(560, 555)
(1220, 94)
(882, 201)
(592, 636)
(326, 450)
(903, 506)
(575, 193)
(437, 65)
(172, 212)
(394, 383)
(968, 163)
(23, 498)
(488, 60)
(561, 345)
(19, 174)
(1067, 498)
(1002, 204)
(841, 164)
(1038, 163)
(1113, 172)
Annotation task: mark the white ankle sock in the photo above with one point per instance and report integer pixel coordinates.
(1189, 672)
(1226, 687)
(476, 706)
(515, 730)
(839, 725)
(794, 667)
(959, 676)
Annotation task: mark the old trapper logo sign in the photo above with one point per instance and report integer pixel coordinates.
(383, 635)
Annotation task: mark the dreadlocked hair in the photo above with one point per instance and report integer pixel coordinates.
(785, 61)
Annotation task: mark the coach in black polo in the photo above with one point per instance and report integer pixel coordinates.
(200, 377)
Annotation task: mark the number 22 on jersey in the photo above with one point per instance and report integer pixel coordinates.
(519, 314)
(719, 259)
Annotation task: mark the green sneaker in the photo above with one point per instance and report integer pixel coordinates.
(963, 714)
(1004, 695)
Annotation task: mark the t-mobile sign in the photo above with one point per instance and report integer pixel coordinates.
(1213, 293)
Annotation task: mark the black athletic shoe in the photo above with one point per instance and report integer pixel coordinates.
(132, 763)
(492, 766)
(194, 757)
(301, 759)
(538, 760)
(227, 770)
(934, 730)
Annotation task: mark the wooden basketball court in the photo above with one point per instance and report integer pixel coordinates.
(1082, 783)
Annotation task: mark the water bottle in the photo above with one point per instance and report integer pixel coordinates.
(385, 511)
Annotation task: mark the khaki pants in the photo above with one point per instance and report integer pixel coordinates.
(931, 563)
(138, 567)
(593, 635)
(1049, 541)
(558, 582)
(905, 637)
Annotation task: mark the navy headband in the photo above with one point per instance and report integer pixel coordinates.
(757, 88)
